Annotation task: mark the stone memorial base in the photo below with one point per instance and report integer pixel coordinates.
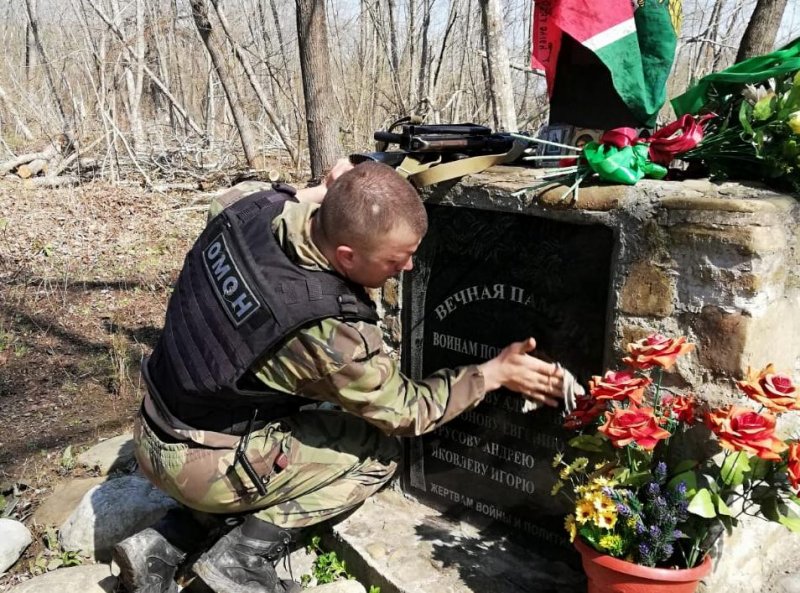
(717, 263)
(403, 546)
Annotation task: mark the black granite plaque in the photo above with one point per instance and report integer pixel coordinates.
(482, 280)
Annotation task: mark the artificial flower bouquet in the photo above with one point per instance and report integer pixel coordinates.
(756, 134)
(656, 476)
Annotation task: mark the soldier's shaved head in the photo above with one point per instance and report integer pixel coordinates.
(366, 203)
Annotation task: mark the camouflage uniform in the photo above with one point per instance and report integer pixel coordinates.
(336, 459)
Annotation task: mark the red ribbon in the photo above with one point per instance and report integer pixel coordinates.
(665, 144)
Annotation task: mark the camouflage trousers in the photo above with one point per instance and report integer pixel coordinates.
(335, 461)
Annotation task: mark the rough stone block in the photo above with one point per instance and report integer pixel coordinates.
(93, 578)
(648, 291)
(729, 342)
(703, 202)
(774, 336)
(62, 502)
(112, 454)
(721, 339)
(391, 293)
(428, 553)
(597, 197)
(746, 240)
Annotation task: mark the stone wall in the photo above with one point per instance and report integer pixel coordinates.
(717, 263)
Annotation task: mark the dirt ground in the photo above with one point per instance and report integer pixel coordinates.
(85, 275)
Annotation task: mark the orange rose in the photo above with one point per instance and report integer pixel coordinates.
(683, 407)
(587, 410)
(774, 391)
(742, 429)
(619, 386)
(633, 425)
(793, 469)
(656, 350)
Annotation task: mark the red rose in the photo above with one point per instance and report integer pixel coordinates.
(793, 469)
(656, 350)
(774, 391)
(682, 406)
(587, 410)
(742, 429)
(633, 425)
(619, 386)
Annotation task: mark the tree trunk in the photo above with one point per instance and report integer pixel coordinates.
(499, 72)
(200, 14)
(134, 72)
(762, 30)
(323, 132)
(48, 71)
(423, 82)
(156, 80)
(392, 5)
(20, 124)
(274, 118)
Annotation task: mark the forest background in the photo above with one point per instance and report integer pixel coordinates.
(118, 118)
(168, 91)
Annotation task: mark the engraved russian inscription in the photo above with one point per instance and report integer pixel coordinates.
(482, 280)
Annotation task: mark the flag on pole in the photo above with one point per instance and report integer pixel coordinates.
(634, 39)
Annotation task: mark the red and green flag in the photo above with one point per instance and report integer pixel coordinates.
(634, 39)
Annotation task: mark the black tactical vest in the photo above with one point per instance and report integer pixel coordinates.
(237, 298)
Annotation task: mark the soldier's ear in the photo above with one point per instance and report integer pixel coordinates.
(345, 258)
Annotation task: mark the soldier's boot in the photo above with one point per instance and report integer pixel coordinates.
(149, 559)
(243, 561)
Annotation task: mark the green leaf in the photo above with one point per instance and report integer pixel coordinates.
(702, 505)
(639, 478)
(760, 467)
(54, 563)
(587, 442)
(764, 108)
(734, 468)
(728, 522)
(722, 508)
(769, 507)
(689, 478)
(744, 117)
(791, 523)
(685, 466)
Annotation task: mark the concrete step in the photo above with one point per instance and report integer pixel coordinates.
(403, 546)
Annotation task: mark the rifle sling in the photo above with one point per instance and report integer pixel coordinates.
(427, 175)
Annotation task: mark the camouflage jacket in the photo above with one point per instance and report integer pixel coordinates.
(344, 362)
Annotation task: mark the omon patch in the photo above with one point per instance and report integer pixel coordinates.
(232, 291)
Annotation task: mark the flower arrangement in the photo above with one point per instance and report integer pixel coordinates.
(756, 135)
(658, 476)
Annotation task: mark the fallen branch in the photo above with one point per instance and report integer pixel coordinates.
(64, 181)
(23, 159)
(30, 169)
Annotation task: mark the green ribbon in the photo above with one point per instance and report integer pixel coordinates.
(622, 165)
(754, 70)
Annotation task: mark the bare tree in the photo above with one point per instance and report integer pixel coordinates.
(244, 60)
(323, 131)
(762, 30)
(200, 15)
(499, 72)
(48, 70)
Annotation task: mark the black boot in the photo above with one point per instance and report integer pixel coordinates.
(243, 561)
(149, 559)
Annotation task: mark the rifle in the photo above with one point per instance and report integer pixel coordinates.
(432, 153)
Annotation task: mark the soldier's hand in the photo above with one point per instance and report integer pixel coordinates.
(515, 369)
(341, 167)
(317, 193)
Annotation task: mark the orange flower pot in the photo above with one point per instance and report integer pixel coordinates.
(607, 574)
